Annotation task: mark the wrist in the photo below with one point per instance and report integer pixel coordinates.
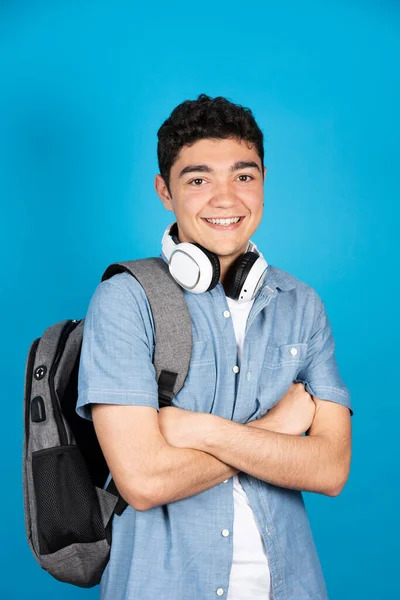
(267, 424)
(213, 432)
(206, 428)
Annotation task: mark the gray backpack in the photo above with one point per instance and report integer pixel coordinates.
(68, 509)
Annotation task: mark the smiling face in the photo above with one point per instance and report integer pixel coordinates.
(216, 179)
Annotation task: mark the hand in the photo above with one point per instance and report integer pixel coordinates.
(179, 427)
(293, 414)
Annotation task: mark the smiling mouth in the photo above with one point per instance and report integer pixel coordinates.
(224, 223)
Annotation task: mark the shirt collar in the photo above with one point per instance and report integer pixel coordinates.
(277, 279)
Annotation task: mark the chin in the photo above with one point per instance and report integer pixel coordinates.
(225, 251)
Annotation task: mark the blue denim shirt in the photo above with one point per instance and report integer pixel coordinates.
(177, 551)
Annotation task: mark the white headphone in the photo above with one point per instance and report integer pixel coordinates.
(197, 269)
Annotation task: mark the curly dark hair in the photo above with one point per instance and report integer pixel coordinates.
(206, 117)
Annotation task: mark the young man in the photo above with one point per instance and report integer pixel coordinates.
(214, 482)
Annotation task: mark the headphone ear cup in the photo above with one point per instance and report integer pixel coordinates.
(242, 268)
(214, 260)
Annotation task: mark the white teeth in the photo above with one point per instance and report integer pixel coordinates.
(223, 221)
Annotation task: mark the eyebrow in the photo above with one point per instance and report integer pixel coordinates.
(240, 164)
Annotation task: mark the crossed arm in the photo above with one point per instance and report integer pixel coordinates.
(318, 462)
(178, 453)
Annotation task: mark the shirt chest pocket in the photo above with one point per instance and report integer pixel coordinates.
(279, 369)
(198, 391)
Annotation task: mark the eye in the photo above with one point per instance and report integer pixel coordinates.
(201, 179)
(193, 180)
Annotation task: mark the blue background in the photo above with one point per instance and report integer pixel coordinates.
(84, 88)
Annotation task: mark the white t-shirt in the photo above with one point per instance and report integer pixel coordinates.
(250, 577)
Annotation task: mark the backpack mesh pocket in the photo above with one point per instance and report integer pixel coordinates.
(68, 510)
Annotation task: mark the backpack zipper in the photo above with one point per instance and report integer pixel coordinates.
(62, 432)
(28, 386)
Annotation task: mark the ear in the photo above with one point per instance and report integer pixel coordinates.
(162, 192)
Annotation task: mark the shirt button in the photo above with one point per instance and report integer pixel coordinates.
(293, 351)
(225, 481)
(220, 591)
(225, 532)
(226, 314)
(235, 369)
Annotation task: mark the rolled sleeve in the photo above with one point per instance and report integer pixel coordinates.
(117, 348)
(319, 371)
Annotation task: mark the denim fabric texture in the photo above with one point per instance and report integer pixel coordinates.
(177, 551)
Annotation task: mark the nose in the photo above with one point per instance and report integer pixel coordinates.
(223, 196)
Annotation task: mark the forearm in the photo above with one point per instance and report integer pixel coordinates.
(186, 471)
(182, 472)
(308, 463)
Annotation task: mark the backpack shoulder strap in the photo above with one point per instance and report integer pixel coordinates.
(172, 322)
(173, 331)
